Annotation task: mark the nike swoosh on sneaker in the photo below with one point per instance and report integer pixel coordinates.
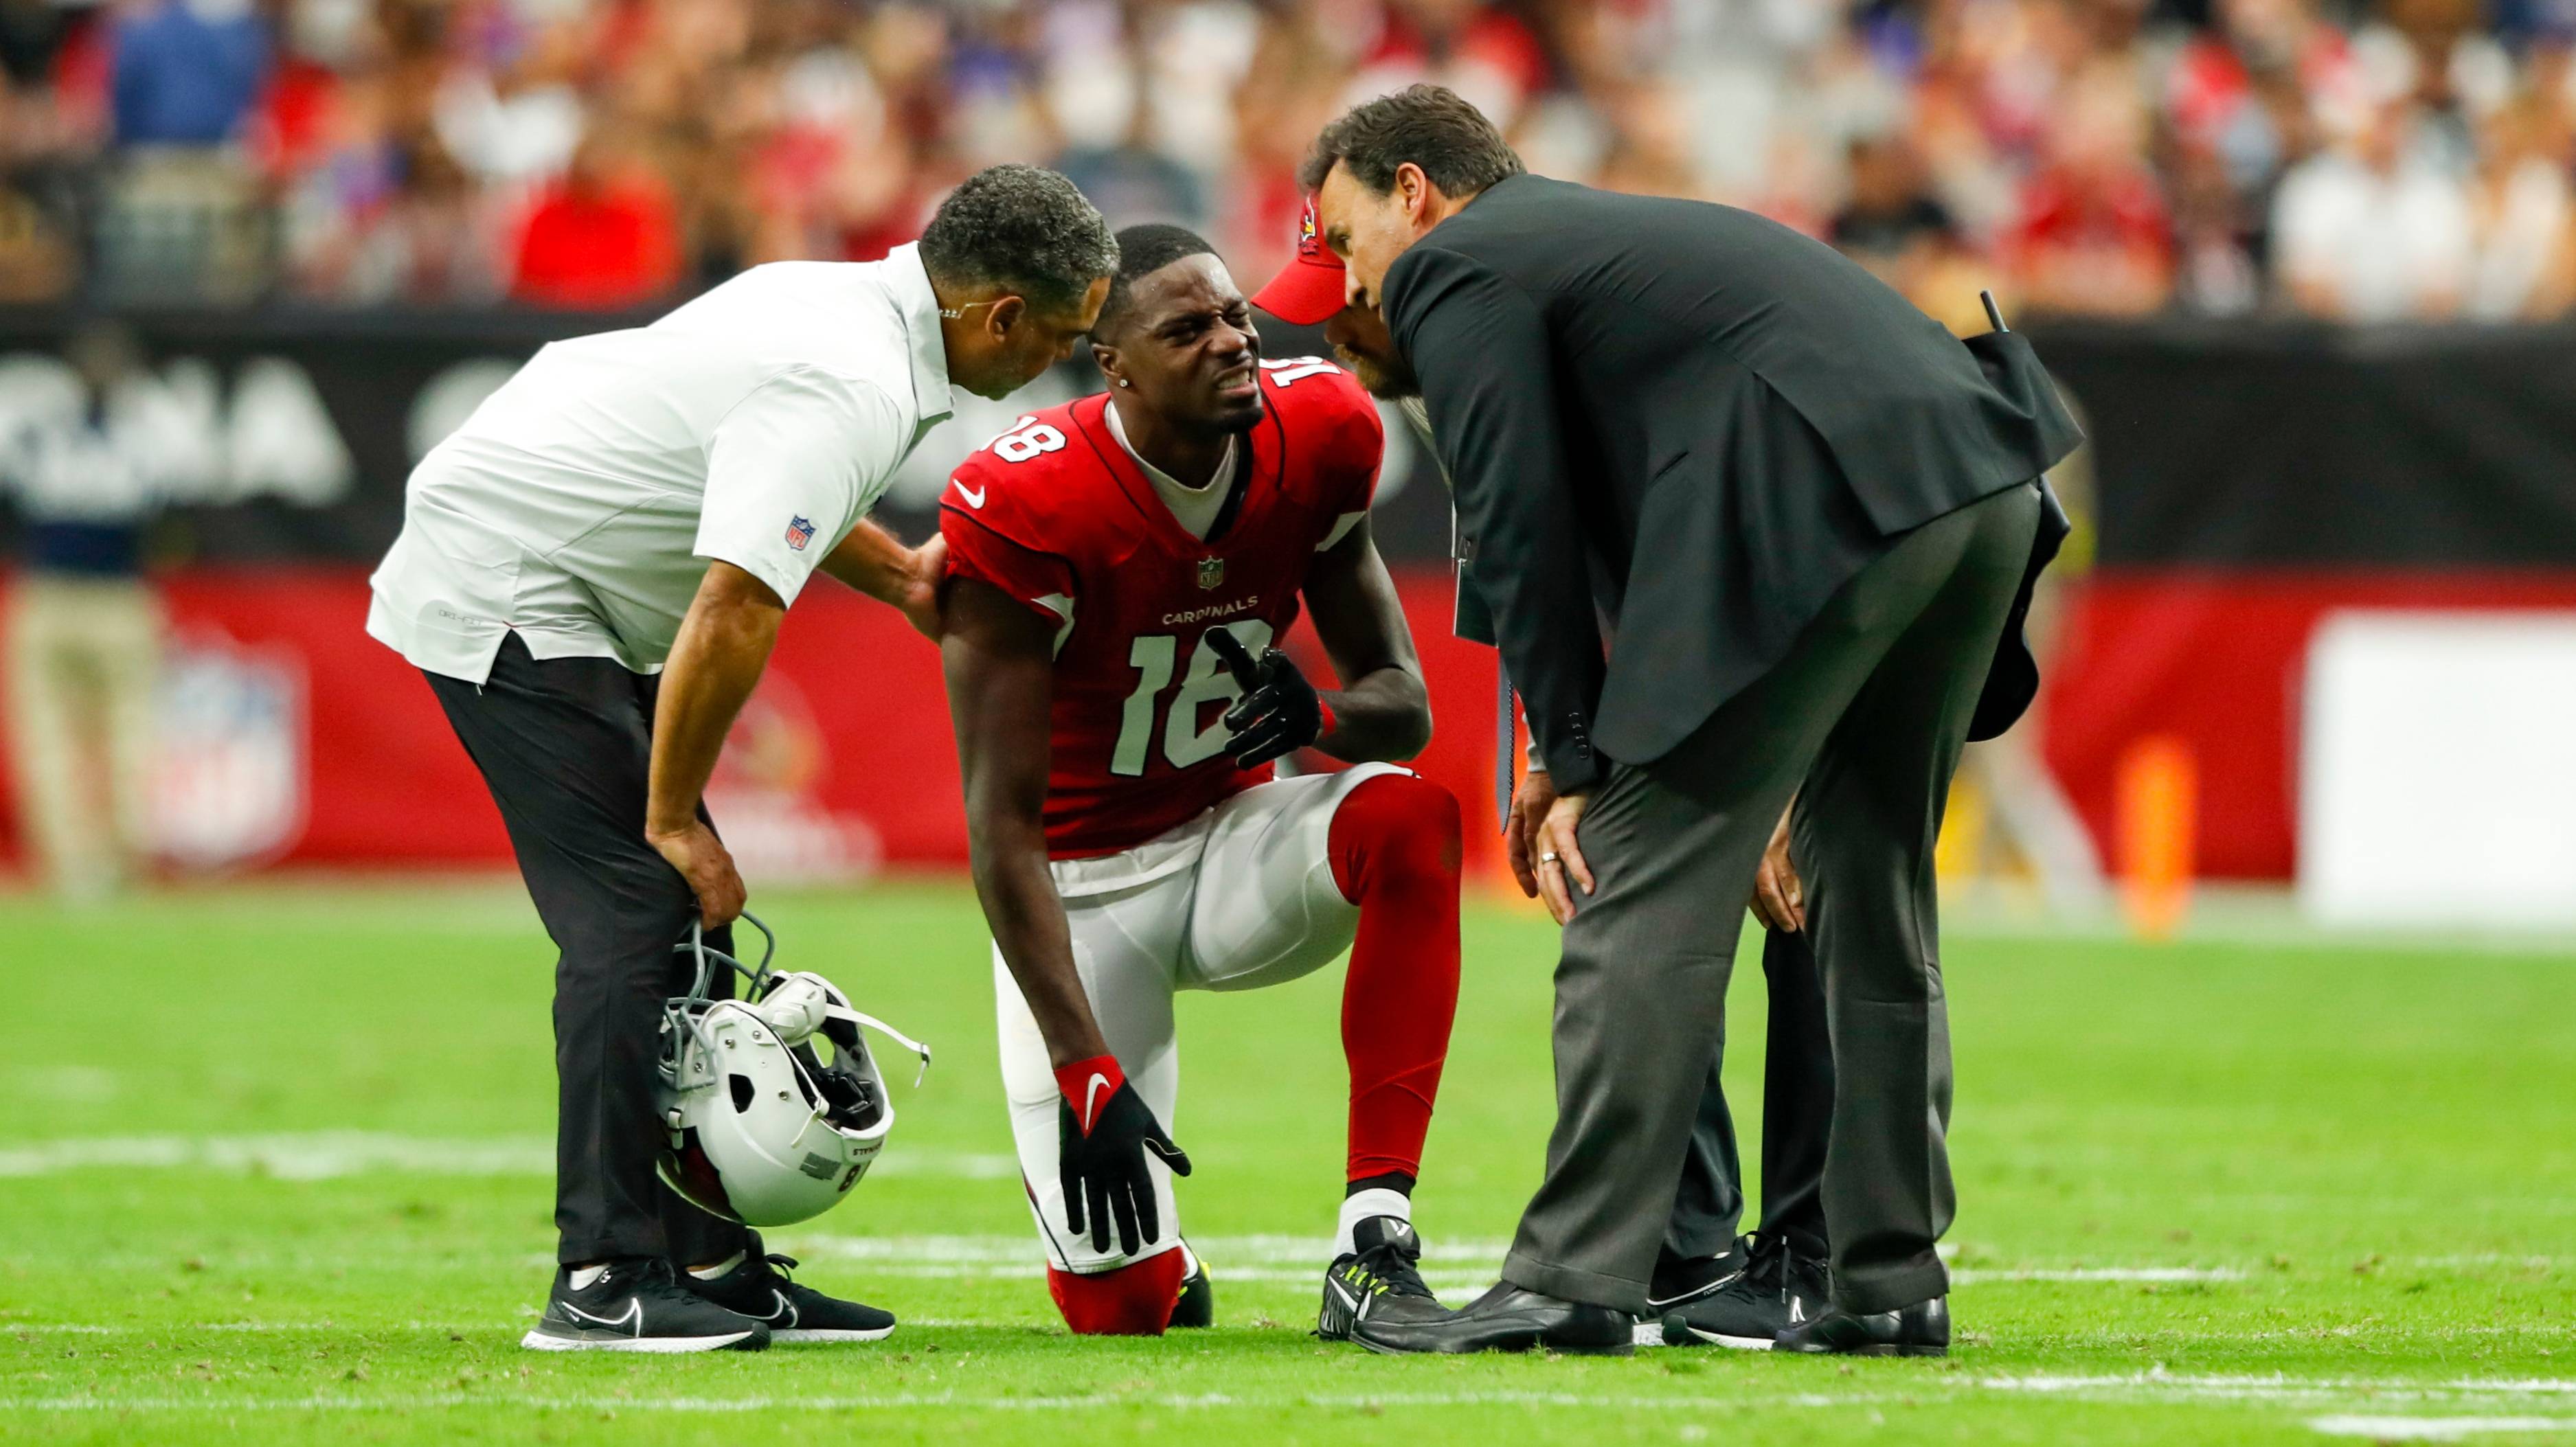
(785, 1316)
(1719, 1284)
(1347, 1299)
(632, 1318)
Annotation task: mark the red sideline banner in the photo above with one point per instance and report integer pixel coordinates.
(2216, 659)
(290, 737)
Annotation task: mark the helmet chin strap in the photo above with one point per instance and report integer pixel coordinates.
(849, 1016)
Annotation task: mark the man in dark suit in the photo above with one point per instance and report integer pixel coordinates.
(1710, 1285)
(1809, 516)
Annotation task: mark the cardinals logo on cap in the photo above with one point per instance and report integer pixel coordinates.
(1308, 243)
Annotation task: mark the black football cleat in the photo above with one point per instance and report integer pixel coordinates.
(1780, 1287)
(1196, 1306)
(1377, 1282)
(794, 1313)
(1920, 1330)
(636, 1306)
(1507, 1318)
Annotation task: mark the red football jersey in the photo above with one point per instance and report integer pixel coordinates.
(1059, 516)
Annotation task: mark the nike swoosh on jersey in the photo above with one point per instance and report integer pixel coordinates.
(973, 498)
(1089, 1093)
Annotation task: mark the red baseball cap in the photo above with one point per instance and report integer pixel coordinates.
(1309, 288)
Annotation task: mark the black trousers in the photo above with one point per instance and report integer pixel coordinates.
(565, 745)
(1797, 1118)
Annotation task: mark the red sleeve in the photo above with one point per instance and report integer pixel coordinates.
(1357, 449)
(978, 549)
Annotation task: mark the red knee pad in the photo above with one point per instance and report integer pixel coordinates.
(1394, 824)
(1134, 1300)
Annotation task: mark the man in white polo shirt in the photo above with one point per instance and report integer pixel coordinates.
(592, 572)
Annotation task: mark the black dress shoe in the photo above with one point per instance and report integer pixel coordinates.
(1920, 1330)
(1507, 1319)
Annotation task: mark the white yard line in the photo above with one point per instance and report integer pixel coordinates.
(1916, 1389)
(2435, 1429)
(324, 1155)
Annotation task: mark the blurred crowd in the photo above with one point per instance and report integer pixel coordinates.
(2098, 157)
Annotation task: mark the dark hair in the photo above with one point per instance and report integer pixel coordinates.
(1024, 229)
(1142, 251)
(1428, 125)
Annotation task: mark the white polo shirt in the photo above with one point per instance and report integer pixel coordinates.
(580, 503)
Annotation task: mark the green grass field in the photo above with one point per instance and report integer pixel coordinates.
(277, 1171)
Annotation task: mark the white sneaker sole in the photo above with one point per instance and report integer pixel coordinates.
(1739, 1343)
(807, 1336)
(537, 1341)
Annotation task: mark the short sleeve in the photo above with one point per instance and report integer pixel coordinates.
(1041, 582)
(792, 468)
(1358, 451)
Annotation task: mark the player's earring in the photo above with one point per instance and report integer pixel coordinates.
(1123, 382)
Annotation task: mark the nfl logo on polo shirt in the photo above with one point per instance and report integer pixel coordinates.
(799, 533)
(1211, 572)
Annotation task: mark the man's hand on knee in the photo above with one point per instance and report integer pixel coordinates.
(1779, 896)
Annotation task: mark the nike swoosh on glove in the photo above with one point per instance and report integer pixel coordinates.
(1104, 1131)
(1279, 713)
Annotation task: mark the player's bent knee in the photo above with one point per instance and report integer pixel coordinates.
(1395, 824)
(1134, 1300)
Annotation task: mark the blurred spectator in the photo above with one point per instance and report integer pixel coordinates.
(2370, 231)
(2105, 157)
(84, 627)
(603, 237)
(1892, 223)
(2215, 270)
(422, 238)
(2522, 224)
(187, 71)
(2093, 236)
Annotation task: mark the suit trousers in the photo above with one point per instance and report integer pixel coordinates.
(1797, 1117)
(1863, 722)
(565, 745)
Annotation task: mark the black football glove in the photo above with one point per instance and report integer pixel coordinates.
(1102, 1168)
(1279, 712)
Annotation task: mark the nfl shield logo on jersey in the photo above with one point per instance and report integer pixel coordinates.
(799, 533)
(1211, 572)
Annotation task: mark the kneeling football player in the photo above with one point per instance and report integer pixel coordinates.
(1120, 567)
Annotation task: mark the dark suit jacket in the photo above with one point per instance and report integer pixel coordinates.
(1701, 423)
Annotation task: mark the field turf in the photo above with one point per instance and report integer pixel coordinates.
(276, 1171)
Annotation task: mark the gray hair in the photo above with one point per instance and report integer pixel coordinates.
(1024, 229)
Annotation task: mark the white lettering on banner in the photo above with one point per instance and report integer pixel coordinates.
(449, 398)
(178, 433)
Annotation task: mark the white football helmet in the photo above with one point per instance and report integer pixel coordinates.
(763, 1126)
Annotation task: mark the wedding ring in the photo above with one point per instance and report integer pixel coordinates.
(1548, 858)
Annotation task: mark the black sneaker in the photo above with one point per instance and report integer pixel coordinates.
(1378, 1282)
(1682, 1279)
(1920, 1330)
(793, 1313)
(1779, 1287)
(635, 1306)
(1197, 1304)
